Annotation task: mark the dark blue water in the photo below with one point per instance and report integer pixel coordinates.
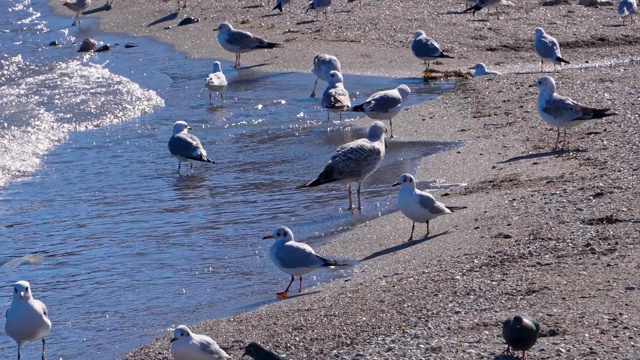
(123, 248)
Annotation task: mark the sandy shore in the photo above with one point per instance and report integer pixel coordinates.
(553, 235)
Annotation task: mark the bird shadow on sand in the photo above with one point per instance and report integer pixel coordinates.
(272, 15)
(305, 22)
(251, 66)
(172, 16)
(614, 25)
(256, 6)
(402, 246)
(539, 155)
(505, 357)
(105, 7)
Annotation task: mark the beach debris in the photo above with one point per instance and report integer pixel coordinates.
(446, 74)
(259, 352)
(130, 45)
(103, 48)
(188, 21)
(55, 43)
(520, 333)
(88, 45)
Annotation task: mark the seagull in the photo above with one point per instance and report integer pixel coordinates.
(562, 112)
(520, 334)
(481, 69)
(481, 4)
(384, 105)
(547, 48)
(426, 49)
(238, 41)
(27, 318)
(319, 5)
(419, 206)
(626, 8)
(295, 258)
(186, 345)
(186, 147)
(77, 7)
(280, 4)
(336, 97)
(216, 81)
(323, 64)
(258, 352)
(354, 161)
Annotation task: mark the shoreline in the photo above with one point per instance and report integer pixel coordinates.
(550, 235)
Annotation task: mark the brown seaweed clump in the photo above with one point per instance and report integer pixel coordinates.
(447, 74)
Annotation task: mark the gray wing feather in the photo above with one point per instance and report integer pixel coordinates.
(298, 255)
(428, 202)
(244, 39)
(565, 109)
(210, 347)
(185, 145)
(383, 101)
(425, 47)
(356, 159)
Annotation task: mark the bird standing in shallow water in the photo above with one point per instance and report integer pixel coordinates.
(520, 334)
(354, 162)
(385, 105)
(185, 146)
(419, 206)
(27, 319)
(562, 112)
(323, 64)
(335, 97)
(77, 7)
(216, 81)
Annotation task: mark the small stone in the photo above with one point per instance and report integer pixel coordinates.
(188, 21)
(88, 45)
(54, 43)
(630, 287)
(130, 45)
(104, 48)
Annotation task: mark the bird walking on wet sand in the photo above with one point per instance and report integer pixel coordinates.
(627, 8)
(77, 7)
(385, 105)
(520, 334)
(547, 48)
(426, 49)
(186, 345)
(239, 41)
(27, 319)
(323, 64)
(185, 146)
(216, 81)
(563, 112)
(488, 4)
(354, 162)
(258, 352)
(480, 69)
(280, 4)
(419, 206)
(335, 97)
(319, 5)
(295, 258)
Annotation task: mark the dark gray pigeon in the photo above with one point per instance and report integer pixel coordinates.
(520, 334)
(257, 352)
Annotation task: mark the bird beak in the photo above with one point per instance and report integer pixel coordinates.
(173, 339)
(471, 68)
(189, 128)
(22, 294)
(396, 184)
(216, 29)
(267, 237)
(532, 85)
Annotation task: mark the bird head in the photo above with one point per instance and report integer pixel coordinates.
(376, 131)
(405, 180)
(335, 77)
(418, 34)
(224, 27)
(539, 32)
(22, 290)
(180, 126)
(546, 84)
(281, 233)
(181, 332)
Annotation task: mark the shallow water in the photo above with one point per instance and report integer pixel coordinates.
(130, 249)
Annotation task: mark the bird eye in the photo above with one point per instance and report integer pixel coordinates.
(15, 290)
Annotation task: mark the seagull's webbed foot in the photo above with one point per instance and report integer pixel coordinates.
(282, 295)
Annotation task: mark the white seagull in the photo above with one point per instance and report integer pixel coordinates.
(185, 146)
(323, 64)
(488, 4)
(626, 8)
(481, 70)
(186, 345)
(77, 7)
(335, 97)
(295, 258)
(426, 49)
(216, 81)
(562, 112)
(547, 48)
(384, 105)
(354, 161)
(419, 206)
(319, 5)
(27, 318)
(238, 41)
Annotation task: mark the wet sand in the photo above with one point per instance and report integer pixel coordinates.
(553, 235)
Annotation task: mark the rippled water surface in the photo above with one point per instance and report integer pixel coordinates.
(123, 248)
